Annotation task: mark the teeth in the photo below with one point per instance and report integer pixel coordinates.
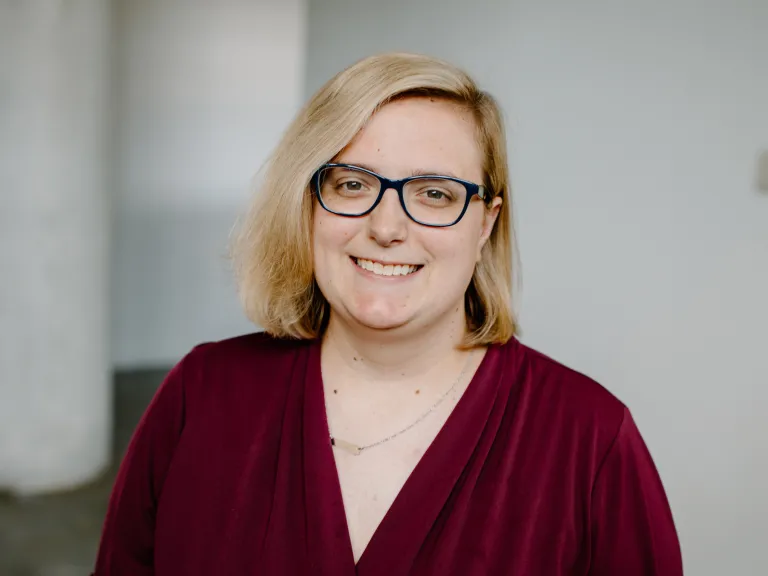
(386, 270)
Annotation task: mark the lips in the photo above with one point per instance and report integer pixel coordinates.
(386, 269)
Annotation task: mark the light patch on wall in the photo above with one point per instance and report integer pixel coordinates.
(762, 171)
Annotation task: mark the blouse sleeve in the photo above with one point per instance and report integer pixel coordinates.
(127, 540)
(632, 527)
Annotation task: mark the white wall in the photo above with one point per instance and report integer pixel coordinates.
(203, 92)
(634, 132)
(55, 393)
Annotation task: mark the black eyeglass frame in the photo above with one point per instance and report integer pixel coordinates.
(398, 185)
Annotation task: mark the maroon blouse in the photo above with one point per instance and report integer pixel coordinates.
(538, 471)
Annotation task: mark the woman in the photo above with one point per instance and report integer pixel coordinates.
(388, 422)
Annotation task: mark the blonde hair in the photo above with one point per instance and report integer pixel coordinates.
(272, 250)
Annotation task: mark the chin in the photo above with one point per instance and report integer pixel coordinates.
(376, 322)
(380, 318)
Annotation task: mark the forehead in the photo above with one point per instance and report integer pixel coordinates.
(418, 134)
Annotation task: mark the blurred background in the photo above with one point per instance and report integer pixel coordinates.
(130, 131)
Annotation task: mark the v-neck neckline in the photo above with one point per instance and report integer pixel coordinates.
(447, 454)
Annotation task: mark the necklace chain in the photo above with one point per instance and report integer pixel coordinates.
(356, 450)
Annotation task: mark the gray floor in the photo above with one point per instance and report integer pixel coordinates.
(57, 535)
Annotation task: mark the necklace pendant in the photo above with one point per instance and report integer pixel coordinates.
(353, 449)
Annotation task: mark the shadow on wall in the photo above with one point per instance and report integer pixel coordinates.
(172, 283)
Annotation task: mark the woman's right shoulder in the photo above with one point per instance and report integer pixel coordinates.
(257, 349)
(252, 369)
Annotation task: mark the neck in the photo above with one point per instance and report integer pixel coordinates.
(395, 354)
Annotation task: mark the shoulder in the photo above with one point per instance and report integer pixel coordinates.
(559, 382)
(255, 349)
(567, 400)
(252, 369)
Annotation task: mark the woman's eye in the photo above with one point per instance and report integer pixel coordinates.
(352, 186)
(436, 196)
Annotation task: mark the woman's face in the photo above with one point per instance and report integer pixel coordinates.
(406, 137)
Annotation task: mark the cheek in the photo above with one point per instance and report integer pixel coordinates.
(461, 259)
(458, 248)
(330, 234)
(453, 267)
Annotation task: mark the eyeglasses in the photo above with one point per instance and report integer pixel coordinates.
(437, 201)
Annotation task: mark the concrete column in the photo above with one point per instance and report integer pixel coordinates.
(55, 382)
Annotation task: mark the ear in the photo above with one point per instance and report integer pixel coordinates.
(490, 215)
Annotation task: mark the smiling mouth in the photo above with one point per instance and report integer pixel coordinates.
(386, 269)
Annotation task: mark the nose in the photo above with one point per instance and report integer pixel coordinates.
(388, 223)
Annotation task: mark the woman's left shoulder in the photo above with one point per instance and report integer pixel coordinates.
(561, 394)
(577, 448)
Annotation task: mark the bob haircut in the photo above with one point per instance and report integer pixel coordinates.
(272, 248)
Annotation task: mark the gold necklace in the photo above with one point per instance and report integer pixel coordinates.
(355, 450)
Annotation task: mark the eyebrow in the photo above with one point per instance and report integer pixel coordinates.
(415, 172)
